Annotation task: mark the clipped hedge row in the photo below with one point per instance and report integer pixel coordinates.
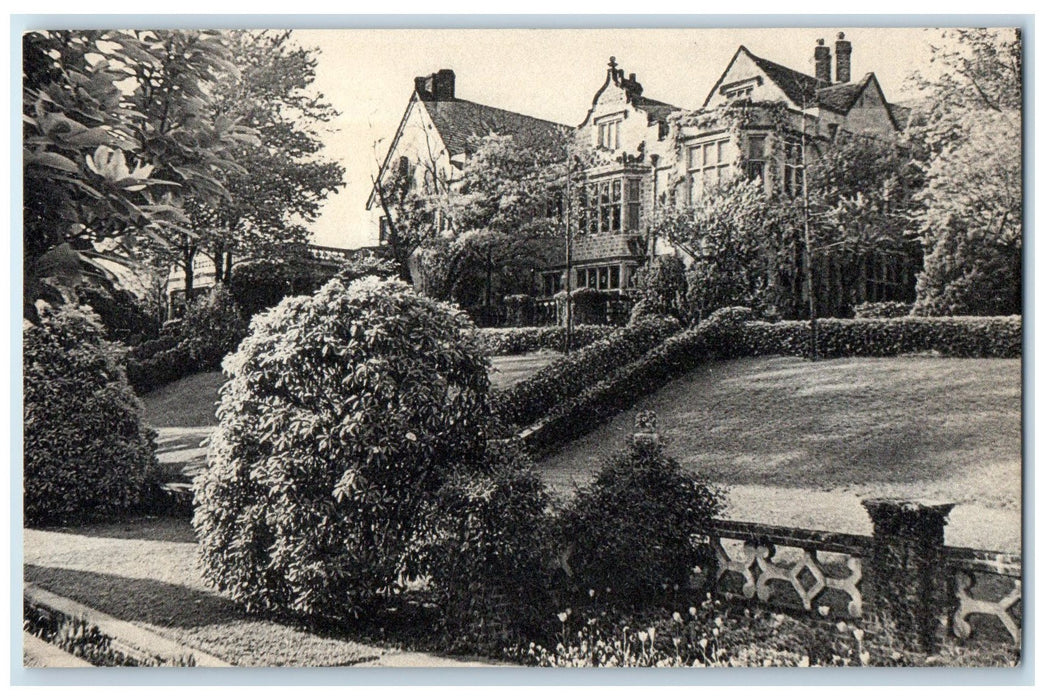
(515, 341)
(529, 400)
(954, 336)
(604, 399)
(161, 368)
(728, 333)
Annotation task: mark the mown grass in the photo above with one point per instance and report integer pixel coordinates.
(791, 423)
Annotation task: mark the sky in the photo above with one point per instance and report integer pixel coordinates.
(367, 75)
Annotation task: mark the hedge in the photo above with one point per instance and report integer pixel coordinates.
(953, 336)
(529, 400)
(515, 341)
(604, 399)
(727, 333)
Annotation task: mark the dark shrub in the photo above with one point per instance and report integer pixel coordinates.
(589, 305)
(483, 546)
(124, 317)
(882, 309)
(87, 454)
(345, 412)
(519, 308)
(628, 534)
(531, 399)
(212, 328)
(661, 289)
(256, 285)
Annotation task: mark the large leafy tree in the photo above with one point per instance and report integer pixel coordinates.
(504, 216)
(970, 139)
(283, 180)
(116, 135)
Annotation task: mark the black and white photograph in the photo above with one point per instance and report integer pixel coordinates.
(522, 348)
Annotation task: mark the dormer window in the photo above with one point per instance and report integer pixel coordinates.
(740, 89)
(609, 134)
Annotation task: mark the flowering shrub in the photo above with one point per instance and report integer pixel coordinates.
(345, 412)
(515, 341)
(87, 454)
(531, 399)
(630, 532)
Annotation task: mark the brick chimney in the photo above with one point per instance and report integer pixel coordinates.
(437, 87)
(822, 59)
(843, 56)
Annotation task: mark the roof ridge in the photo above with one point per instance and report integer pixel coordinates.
(499, 109)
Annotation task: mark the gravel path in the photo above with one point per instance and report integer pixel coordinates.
(144, 571)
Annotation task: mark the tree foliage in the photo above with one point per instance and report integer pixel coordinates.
(117, 133)
(283, 180)
(971, 207)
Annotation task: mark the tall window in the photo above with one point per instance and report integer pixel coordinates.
(709, 166)
(755, 157)
(610, 206)
(384, 230)
(793, 166)
(609, 134)
(603, 277)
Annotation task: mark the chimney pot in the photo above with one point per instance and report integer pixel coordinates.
(822, 60)
(843, 58)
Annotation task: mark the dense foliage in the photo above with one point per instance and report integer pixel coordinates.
(628, 535)
(482, 546)
(531, 399)
(212, 328)
(997, 336)
(969, 134)
(516, 341)
(661, 289)
(345, 412)
(87, 454)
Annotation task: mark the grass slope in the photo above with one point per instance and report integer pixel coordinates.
(908, 426)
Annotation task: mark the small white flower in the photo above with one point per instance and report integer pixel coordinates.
(718, 622)
(563, 616)
(652, 633)
(824, 610)
(865, 657)
(591, 592)
(715, 631)
(803, 662)
(643, 637)
(858, 633)
(703, 643)
(677, 617)
(693, 612)
(841, 626)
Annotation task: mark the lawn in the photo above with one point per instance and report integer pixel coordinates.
(144, 571)
(801, 443)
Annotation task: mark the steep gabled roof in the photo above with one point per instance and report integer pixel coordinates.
(460, 121)
(799, 87)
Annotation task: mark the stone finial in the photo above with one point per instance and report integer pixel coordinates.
(646, 428)
(613, 62)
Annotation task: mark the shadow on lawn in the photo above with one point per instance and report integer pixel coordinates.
(137, 600)
(146, 527)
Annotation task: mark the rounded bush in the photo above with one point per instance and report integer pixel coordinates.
(87, 454)
(628, 534)
(344, 413)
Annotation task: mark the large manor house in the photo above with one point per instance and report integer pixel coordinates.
(654, 154)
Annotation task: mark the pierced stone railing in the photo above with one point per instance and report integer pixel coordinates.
(988, 590)
(977, 594)
(793, 568)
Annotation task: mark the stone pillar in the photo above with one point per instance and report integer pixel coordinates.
(907, 572)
